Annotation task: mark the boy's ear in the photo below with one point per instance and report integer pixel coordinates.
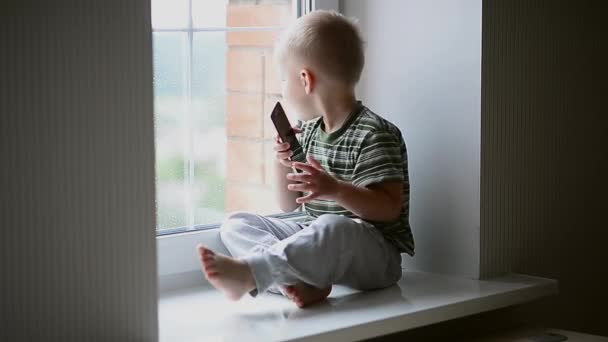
(307, 80)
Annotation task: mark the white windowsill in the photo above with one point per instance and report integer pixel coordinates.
(202, 314)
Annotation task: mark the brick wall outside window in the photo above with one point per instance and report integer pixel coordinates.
(252, 88)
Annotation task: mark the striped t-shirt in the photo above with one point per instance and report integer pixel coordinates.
(366, 150)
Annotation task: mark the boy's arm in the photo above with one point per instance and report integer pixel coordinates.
(376, 191)
(376, 202)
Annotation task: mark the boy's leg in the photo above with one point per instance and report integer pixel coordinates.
(246, 233)
(231, 276)
(376, 263)
(332, 250)
(243, 233)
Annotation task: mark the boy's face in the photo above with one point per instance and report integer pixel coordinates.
(296, 91)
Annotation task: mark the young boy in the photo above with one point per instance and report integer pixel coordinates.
(353, 182)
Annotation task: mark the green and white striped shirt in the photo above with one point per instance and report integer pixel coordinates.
(366, 150)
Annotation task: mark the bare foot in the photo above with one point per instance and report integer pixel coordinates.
(229, 275)
(304, 295)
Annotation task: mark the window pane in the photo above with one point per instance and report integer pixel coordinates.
(209, 13)
(169, 116)
(209, 129)
(170, 14)
(252, 88)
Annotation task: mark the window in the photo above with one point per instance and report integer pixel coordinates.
(214, 83)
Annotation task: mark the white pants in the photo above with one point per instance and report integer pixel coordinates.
(333, 249)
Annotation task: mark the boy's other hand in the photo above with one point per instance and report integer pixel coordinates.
(282, 149)
(314, 180)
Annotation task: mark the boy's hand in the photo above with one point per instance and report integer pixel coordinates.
(314, 180)
(282, 150)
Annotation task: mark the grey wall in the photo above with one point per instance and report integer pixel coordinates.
(423, 73)
(545, 155)
(77, 252)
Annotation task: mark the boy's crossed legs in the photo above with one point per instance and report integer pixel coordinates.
(278, 256)
(244, 233)
(236, 279)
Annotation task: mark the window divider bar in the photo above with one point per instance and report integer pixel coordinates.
(189, 123)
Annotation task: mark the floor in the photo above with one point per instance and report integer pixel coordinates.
(202, 314)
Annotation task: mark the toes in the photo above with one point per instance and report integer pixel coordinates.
(208, 261)
(208, 258)
(200, 249)
(210, 268)
(291, 293)
(204, 251)
(211, 274)
(206, 255)
(305, 295)
(299, 302)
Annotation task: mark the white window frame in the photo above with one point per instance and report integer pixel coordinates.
(177, 262)
(330, 5)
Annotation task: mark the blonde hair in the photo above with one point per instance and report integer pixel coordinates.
(329, 41)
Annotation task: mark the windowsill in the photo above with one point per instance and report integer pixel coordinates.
(202, 313)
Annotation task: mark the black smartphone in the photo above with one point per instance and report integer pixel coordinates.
(286, 132)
